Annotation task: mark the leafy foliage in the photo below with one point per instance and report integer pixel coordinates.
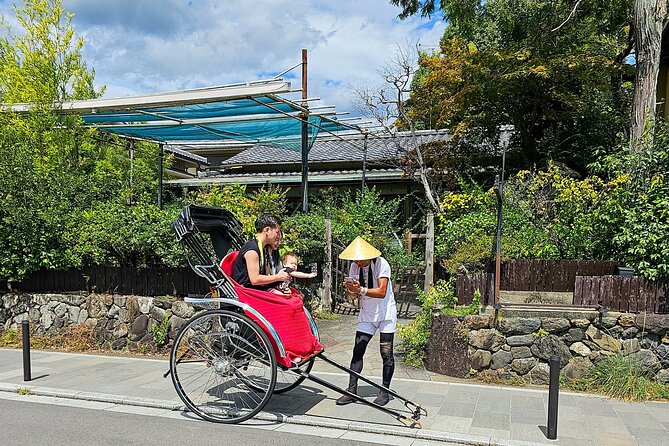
(416, 334)
(507, 62)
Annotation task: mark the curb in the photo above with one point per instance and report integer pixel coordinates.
(304, 420)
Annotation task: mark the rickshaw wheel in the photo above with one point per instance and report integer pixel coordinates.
(223, 366)
(287, 380)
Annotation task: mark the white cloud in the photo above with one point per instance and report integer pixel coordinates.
(145, 46)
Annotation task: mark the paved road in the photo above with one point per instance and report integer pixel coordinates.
(35, 421)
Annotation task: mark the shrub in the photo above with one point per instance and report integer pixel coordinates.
(619, 376)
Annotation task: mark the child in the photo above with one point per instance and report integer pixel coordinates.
(289, 265)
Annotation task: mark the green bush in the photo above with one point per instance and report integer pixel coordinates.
(619, 376)
(439, 299)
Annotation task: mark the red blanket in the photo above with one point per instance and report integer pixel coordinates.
(285, 314)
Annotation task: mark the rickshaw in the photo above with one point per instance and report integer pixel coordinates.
(247, 344)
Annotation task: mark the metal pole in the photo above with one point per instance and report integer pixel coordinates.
(305, 137)
(25, 331)
(364, 163)
(160, 175)
(553, 394)
(429, 253)
(327, 268)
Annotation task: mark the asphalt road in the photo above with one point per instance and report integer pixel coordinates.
(27, 423)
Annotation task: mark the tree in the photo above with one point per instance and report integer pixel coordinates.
(558, 77)
(649, 20)
(386, 105)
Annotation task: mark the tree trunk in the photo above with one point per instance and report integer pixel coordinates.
(649, 16)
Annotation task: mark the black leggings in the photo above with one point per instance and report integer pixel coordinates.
(386, 348)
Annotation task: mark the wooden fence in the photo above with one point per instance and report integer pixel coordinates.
(549, 275)
(617, 293)
(626, 294)
(121, 280)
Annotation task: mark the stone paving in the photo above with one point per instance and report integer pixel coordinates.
(459, 411)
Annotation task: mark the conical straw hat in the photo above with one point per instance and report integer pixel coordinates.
(359, 249)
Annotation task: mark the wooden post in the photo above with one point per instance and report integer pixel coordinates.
(327, 268)
(408, 240)
(429, 253)
(305, 137)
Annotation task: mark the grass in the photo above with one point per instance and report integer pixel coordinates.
(620, 377)
(318, 314)
(492, 377)
(23, 391)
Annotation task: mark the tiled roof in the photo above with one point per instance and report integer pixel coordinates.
(331, 149)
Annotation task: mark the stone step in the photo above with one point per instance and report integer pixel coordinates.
(535, 297)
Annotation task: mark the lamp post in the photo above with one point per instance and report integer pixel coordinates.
(504, 139)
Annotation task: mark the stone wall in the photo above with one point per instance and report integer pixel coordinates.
(521, 346)
(119, 320)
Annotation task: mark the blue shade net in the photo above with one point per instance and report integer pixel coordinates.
(260, 120)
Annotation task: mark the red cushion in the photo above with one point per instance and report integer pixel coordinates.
(286, 315)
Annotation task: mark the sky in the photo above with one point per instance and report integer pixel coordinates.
(148, 46)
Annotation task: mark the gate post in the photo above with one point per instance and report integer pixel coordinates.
(429, 253)
(327, 268)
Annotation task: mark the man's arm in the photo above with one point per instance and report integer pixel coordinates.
(252, 260)
(379, 292)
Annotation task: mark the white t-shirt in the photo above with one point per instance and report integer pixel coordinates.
(374, 309)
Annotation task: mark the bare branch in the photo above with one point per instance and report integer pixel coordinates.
(573, 11)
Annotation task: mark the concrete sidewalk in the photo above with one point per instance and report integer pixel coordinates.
(457, 412)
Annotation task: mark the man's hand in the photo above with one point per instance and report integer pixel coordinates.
(282, 276)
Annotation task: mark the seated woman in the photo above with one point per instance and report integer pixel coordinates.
(251, 268)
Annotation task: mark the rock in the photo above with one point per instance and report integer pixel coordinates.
(182, 309)
(521, 352)
(630, 332)
(603, 340)
(133, 307)
(476, 322)
(647, 362)
(631, 346)
(540, 374)
(60, 309)
(108, 299)
(665, 339)
(34, 314)
(606, 322)
(120, 332)
(662, 353)
(58, 323)
(174, 325)
(157, 313)
(487, 339)
(627, 320)
(144, 304)
(481, 359)
(501, 359)
(96, 306)
(574, 335)
(83, 315)
(139, 328)
(113, 311)
(90, 322)
(518, 341)
(46, 320)
(577, 367)
(119, 343)
(662, 376)
(123, 316)
(120, 301)
(163, 302)
(519, 325)
(547, 346)
(523, 366)
(555, 325)
(657, 324)
(616, 331)
(649, 341)
(581, 323)
(446, 350)
(73, 314)
(506, 348)
(580, 349)
(595, 357)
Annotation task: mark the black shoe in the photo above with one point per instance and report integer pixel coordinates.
(344, 400)
(382, 398)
